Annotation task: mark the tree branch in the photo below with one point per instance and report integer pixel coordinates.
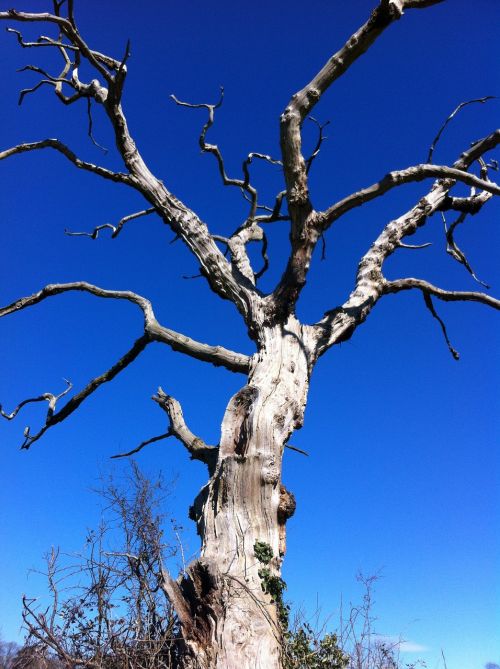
(197, 448)
(339, 324)
(249, 191)
(57, 145)
(216, 355)
(305, 222)
(178, 216)
(154, 331)
(400, 177)
(430, 306)
(454, 251)
(142, 445)
(445, 295)
(53, 417)
(457, 109)
(115, 228)
(99, 61)
(303, 102)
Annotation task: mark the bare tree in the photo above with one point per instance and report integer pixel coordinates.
(8, 652)
(228, 600)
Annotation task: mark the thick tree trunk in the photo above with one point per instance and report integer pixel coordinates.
(229, 618)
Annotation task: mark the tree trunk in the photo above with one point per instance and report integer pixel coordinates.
(229, 601)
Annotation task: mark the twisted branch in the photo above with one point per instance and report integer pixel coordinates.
(115, 228)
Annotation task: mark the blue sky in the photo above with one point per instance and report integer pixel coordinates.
(402, 439)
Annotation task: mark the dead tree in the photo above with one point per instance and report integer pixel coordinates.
(227, 602)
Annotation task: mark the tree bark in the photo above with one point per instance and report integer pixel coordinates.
(228, 617)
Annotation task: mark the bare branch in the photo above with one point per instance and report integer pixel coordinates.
(45, 397)
(213, 149)
(339, 324)
(184, 222)
(275, 211)
(115, 228)
(216, 355)
(197, 448)
(319, 142)
(430, 306)
(42, 41)
(297, 450)
(303, 102)
(142, 445)
(99, 61)
(400, 177)
(445, 295)
(401, 245)
(450, 118)
(454, 251)
(265, 258)
(90, 126)
(57, 145)
(53, 418)
(307, 225)
(58, 288)
(429, 290)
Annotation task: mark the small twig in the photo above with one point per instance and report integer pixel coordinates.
(275, 214)
(402, 245)
(181, 547)
(115, 228)
(142, 445)
(454, 251)
(321, 139)
(430, 306)
(297, 450)
(450, 118)
(265, 258)
(89, 131)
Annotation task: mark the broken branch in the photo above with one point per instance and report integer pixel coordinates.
(197, 448)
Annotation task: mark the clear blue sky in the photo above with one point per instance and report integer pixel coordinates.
(402, 439)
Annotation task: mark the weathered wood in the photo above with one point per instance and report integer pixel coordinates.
(228, 616)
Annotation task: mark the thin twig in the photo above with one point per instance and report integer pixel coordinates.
(430, 306)
(457, 109)
(142, 445)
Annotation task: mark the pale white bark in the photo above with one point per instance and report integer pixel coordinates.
(244, 503)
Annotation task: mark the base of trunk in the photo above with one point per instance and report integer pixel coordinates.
(226, 622)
